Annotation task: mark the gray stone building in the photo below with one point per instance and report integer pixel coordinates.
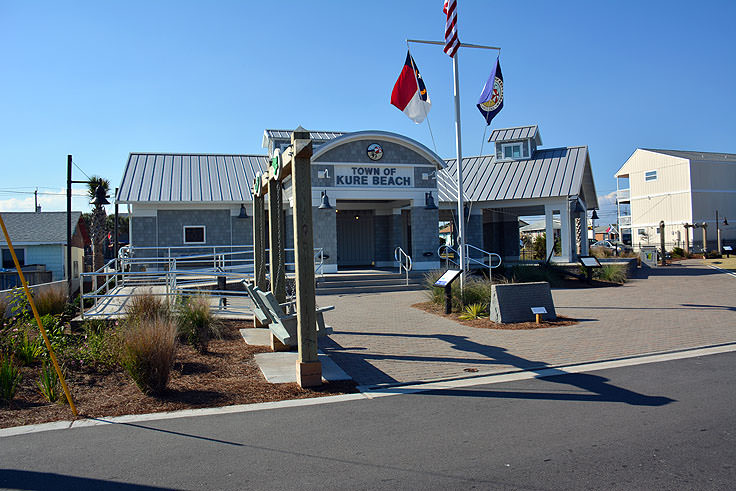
(383, 190)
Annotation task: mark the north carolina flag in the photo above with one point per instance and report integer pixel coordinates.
(490, 102)
(410, 94)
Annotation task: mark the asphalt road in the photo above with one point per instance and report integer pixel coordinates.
(668, 425)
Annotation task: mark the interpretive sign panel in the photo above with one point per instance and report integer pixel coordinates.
(447, 278)
(590, 261)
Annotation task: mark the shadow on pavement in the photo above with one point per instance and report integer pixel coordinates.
(598, 389)
(32, 480)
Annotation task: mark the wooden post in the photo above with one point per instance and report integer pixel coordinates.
(687, 239)
(539, 318)
(259, 244)
(308, 367)
(276, 250)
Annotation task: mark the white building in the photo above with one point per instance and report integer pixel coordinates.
(679, 188)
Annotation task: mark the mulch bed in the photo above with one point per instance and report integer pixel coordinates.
(226, 375)
(486, 323)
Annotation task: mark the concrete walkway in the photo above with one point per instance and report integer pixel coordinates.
(380, 339)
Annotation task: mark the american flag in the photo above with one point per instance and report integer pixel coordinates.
(452, 43)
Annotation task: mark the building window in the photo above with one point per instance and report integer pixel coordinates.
(650, 175)
(512, 150)
(194, 234)
(8, 258)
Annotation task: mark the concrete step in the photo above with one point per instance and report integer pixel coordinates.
(368, 282)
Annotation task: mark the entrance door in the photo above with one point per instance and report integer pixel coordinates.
(355, 242)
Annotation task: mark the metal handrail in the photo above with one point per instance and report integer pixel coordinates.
(490, 255)
(406, 264)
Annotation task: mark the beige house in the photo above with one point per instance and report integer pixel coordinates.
(680, 188)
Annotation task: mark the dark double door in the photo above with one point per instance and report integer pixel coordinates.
(355, 238)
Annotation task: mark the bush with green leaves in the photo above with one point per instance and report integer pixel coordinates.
(614, 273)
(197, 325)
(678, 252)
(10, 378)
(474, 311)
(28, 349)
(148, 351)
(48, 383)
(476, 290)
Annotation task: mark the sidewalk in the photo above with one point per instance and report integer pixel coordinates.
(380, 339)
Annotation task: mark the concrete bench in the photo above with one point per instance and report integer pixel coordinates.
(283, 325)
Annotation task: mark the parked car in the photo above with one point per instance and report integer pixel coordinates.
(613, 247)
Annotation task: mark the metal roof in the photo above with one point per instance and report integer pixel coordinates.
(286, 134)
(553, 172)
(48, 227)
(197, 178)
(697, 156)
(516, 133)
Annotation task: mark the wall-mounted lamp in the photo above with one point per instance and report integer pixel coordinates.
(325, 204)
(429, 201)
(242, 213)
(323, 174)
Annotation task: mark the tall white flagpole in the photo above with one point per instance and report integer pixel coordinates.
(458, 144)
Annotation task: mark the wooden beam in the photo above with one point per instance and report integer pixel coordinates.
(276, 250)
(308, 367)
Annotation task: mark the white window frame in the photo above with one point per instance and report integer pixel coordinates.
(504, 146)
(204, 234)
(650, 175)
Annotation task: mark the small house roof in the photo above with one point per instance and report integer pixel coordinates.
(47, 227)
(516, 133)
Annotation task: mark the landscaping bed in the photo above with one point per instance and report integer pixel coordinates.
(485, 323)
(225, 375)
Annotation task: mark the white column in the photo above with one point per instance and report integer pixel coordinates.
(549, 229)
(565, 232)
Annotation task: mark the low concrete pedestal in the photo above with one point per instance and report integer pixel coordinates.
(277, 345)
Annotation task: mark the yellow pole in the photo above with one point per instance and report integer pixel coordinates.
(38, 319)
(539, 318)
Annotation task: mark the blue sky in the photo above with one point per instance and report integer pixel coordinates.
(101, 79)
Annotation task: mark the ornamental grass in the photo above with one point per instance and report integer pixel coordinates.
(148, 351)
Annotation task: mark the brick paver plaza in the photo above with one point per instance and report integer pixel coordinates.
(380, 339)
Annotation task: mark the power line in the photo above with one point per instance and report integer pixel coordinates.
(10, 191)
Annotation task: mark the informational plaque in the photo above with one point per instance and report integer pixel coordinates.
(539, 310)
(589, 261)
(447, 278)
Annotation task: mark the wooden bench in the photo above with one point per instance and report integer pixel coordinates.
(283, 325)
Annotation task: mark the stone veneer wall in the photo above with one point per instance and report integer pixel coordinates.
(324, 230)
(424, 231)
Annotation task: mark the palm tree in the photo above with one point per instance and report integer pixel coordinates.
(97, 227)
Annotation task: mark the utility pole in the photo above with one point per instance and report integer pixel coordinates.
(69, 226)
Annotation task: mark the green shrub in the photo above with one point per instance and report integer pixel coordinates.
(18, 306)
(3, 307)
(99, 347)
(10, 378)
(147, 307)
(50, 301)
(196, 322)
(48, 383)
(615, 273)
(476, 290)
(678, 252)
(149, 347)
(28, 350)
(474, 311)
